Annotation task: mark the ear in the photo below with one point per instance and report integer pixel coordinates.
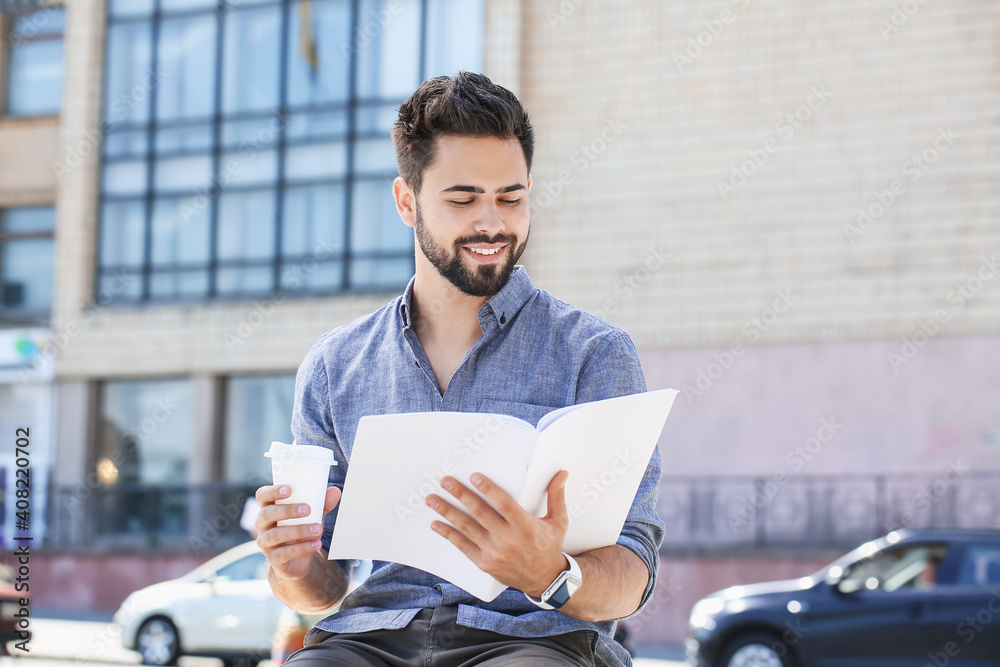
(406, 201)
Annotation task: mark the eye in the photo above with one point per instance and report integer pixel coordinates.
(461, 203)
(511, 202)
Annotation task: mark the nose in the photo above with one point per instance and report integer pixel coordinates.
(490, 222)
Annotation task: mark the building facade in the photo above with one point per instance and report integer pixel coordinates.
(792, 210)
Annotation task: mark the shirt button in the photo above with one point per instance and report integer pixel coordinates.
(503, 319)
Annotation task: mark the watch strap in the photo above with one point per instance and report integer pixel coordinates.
(562, 588)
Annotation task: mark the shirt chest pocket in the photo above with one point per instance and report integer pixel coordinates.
(529, 412)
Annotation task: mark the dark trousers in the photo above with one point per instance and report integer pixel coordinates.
(433, 639)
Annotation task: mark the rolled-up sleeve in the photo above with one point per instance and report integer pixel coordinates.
(612, 370)
(312, 424)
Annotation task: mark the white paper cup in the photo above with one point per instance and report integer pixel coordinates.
(305, 469)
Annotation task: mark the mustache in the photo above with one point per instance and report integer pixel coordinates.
(483, 238)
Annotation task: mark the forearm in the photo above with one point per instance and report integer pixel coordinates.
(614, 579)
(323, 586)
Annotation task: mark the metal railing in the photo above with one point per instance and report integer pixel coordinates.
(820, 511)
(701, 514)
(203, 518)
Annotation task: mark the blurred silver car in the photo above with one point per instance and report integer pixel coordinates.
(224, 608)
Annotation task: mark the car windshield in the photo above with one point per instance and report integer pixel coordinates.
(895, 568)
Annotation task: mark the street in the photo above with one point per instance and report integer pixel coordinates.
(59, 643)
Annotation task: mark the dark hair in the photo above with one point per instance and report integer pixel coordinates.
(468, 105)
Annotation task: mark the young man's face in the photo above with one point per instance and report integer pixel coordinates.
(471, 216)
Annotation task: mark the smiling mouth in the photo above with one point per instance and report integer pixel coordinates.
(486, 251)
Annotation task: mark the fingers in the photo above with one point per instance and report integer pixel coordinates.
(281, 543)
(333, 495)
(299, 541)
(487, 516)
(557, 497)
(464, 544)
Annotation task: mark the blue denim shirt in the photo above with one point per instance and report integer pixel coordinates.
(536, 354)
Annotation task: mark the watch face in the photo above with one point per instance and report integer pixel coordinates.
(562, 594)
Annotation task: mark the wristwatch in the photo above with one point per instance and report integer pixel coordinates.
(559, 591)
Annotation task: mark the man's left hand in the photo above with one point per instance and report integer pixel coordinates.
(503, 539)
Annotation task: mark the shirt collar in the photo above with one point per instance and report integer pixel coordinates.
(503, 305)
(506, 303)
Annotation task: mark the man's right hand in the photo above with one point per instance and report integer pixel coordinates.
(289, 549)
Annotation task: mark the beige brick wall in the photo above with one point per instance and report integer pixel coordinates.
(27, 149)
(685, 122)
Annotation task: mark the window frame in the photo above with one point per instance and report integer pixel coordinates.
(26, 316)
(9, 13)
(284, 270)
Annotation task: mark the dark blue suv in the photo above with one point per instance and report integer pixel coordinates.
(914, 598)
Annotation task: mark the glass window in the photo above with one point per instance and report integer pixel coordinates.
(387, 28)
(121, 243)
(895, 568)
(35, 62)
(453, 33)
(254, 182)
(186, 56)
(246, 226)
(180, 232)
(26, 264)
(319, 51)
(129, 78)
(980, 565)
(250, 70)
(145, 433)
(247, 568)
(258, 412)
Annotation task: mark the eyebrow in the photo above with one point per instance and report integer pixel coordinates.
(476, 190)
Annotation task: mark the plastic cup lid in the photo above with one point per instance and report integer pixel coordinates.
(286, 452)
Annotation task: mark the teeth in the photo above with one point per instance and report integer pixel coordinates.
(485, 251)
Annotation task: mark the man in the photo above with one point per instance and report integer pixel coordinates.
(470, 333)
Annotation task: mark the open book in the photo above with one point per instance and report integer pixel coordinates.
(399, 459)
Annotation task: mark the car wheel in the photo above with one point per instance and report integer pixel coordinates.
(158, 642)
(755, 650)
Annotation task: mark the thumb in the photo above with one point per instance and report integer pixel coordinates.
(557, 496)
(333, 495)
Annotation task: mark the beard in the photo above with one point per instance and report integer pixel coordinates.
(483, 279)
